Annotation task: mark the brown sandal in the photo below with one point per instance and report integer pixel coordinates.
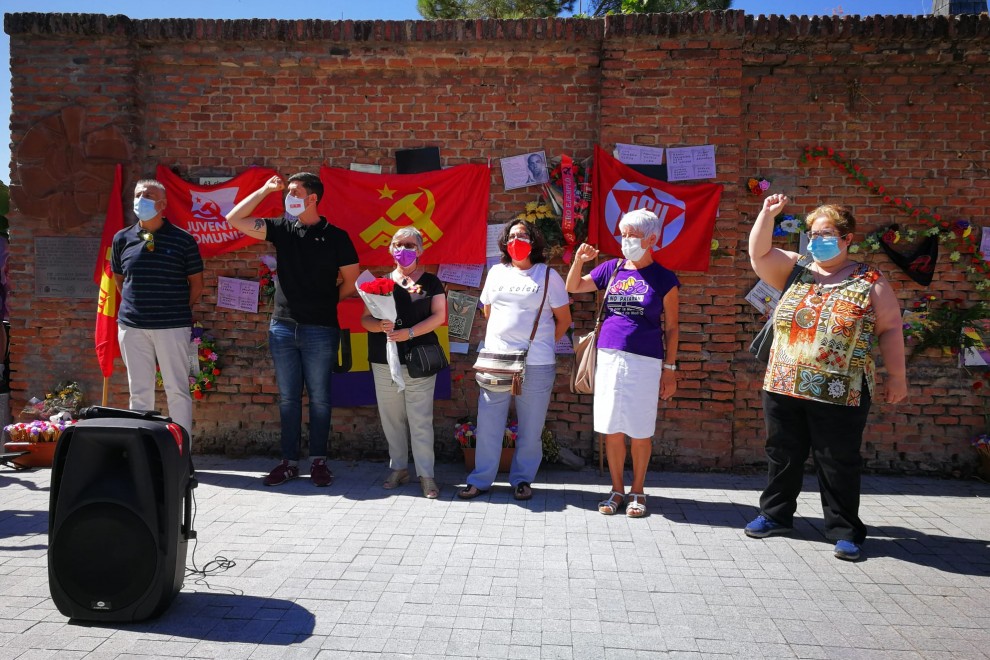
(523, 491)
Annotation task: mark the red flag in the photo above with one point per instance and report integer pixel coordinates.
(200, 210)
(687, 212)
(449, 207)
(105, 336)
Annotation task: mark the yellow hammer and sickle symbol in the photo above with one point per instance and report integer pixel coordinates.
(108, 292)
(381, 230)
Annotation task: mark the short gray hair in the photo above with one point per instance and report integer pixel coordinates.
(409, 232)
(645, 221)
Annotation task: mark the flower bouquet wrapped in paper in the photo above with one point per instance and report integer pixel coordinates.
(377, 296)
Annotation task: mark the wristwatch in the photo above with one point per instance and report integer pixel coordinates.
(411, 333)
(672, 367)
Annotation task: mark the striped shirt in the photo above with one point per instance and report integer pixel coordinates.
(155, 294)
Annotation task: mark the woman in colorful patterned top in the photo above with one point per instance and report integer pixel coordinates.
(821, 378)
(637, 351)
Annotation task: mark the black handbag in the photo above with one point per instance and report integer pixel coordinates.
(763, 341)
(425, 360)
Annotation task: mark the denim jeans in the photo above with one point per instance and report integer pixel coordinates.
(303, 354)
(493, 413)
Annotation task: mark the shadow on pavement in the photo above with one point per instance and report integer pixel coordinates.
(218, 617)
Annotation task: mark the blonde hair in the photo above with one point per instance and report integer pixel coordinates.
(840, 216)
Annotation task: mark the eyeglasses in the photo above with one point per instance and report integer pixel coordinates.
(149, 240)
(824, 234)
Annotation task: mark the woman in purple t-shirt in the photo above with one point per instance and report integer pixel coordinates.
(637, 351)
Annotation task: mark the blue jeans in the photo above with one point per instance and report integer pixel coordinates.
(303, 354)
(493, 412)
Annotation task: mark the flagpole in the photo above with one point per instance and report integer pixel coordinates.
(106, 390)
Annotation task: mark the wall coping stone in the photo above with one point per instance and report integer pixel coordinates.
(542, 29)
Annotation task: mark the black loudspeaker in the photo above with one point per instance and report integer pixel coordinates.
(119, 517)
(416, 161)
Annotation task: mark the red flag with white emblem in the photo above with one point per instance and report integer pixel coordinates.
(201, 210)
(449, 207)
(686, 211)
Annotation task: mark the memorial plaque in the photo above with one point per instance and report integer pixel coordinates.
(63, 267)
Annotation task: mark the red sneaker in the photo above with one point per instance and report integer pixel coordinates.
(283, 472)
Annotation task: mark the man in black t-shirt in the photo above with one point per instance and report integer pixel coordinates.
(304, 333)
(158, 271)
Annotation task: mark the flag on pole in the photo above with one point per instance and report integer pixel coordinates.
(686, 211)
(449, 207)
(107, 348)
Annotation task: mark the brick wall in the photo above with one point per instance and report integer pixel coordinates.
(901, 96)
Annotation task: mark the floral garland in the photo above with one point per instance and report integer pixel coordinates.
(960, 231)
(207, 359)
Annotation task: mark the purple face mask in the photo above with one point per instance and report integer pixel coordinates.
(404, 257)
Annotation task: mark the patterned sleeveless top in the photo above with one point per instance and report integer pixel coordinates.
(823, 339)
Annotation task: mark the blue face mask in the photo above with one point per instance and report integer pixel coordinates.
(824, 248)
(144, 208)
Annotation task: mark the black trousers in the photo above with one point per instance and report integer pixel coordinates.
(833, 434)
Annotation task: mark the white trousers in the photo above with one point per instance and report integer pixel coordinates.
(140, 349)
(407, 418)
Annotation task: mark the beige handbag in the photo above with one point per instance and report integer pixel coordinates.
(586, 350)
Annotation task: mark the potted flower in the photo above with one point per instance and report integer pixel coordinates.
(466, 437)
(35, 441)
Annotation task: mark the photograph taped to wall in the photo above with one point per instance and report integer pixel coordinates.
(525, 170)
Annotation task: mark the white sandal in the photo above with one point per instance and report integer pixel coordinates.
(635, 508)
(611, 505)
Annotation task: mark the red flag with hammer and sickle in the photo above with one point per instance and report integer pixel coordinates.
(449, 208)
(686, 211)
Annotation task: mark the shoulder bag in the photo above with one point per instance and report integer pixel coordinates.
(586, 349)
(763, 341)
(504, 371)
(425, 360)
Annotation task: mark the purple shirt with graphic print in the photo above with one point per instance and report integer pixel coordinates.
(634, 307)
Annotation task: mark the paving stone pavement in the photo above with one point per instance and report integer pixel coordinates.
(359, 572)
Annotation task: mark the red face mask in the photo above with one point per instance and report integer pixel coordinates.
(519, 249)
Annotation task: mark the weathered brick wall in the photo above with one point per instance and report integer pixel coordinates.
(209, 98)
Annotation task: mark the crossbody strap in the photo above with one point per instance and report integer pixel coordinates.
(539, 312)
(798, 266)
(601, 307)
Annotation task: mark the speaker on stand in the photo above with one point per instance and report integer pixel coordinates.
(120, 515)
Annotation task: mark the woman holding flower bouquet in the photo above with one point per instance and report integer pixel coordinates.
(514, 293)
(407, 412)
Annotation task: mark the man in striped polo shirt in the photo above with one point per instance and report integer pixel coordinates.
(159, 274)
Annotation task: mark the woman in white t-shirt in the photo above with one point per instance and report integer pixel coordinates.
(511, 297)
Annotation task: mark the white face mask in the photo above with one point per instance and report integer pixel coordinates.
(294, 206)
(632, 248)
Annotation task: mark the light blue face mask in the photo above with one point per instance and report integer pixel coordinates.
(144, 208)
(824, 248)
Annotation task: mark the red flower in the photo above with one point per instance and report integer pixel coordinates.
(880, 189)
(380, 286)
(978, 384)
(886, 198)
(216, 372)
(198, 394)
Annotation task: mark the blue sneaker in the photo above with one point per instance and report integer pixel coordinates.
(763, 527)
(847, 550)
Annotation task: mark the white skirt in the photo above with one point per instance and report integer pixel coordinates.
(627, 390)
